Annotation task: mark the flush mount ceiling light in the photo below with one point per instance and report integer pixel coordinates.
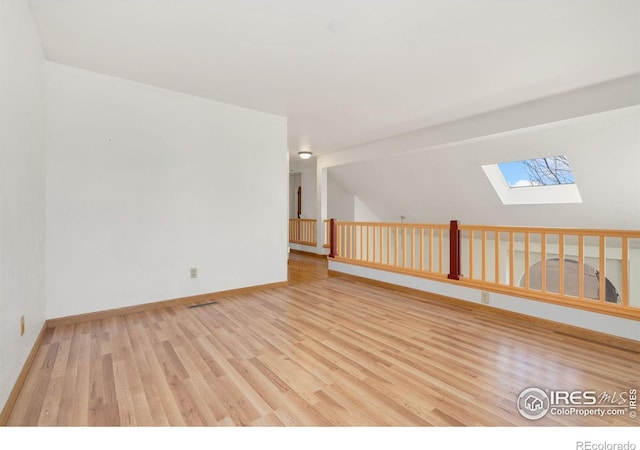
(304, 155)
(336, 26)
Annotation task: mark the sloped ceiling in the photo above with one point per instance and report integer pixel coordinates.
(350, 72)
(441, 184)
(346, 72)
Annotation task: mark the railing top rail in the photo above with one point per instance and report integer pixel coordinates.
(553, 230)
(506, 228)
(397, 224)
(304, 220)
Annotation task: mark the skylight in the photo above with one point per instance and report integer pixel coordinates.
(534, 181)
(550, 170)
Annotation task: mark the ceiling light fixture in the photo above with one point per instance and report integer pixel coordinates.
(304, 155)
(336, 26)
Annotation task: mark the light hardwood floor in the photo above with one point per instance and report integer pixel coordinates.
(304, 267)
(320, 352)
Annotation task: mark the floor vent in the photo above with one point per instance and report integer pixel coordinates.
(204, 304)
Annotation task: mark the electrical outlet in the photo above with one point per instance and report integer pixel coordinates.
(484, 298)
(193, 273)
(21, 325)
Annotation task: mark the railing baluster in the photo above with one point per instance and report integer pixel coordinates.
(603, 276)
(404, 246)
(471, 254)
(543, 262)
(397, 245)
(365, 233)
(431, 249)
(511, 258)
(561, 264)
(581, 266)
(363, 243)
(375, 254)
(343, 250)
(625, 271)
(381, 245)
(496, 234)
(367, 239)
(346, 241)
(413, 246)
(484, 255)
(421, 249)
(527, 260)
(441, 252)
(388, 239)
(326, 232)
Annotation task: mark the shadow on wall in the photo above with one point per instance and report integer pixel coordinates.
(571, 280)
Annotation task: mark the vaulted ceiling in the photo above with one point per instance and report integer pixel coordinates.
(346, 72)
(435, 185)
(355, 75)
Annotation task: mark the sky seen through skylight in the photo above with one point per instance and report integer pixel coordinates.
(551, 170)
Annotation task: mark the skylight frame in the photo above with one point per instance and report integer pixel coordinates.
(531, 195)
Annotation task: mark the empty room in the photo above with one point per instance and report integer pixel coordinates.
(320, 214)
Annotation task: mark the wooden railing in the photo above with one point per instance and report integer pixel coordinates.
(303, 231)
(327, 233)
(590, 269)
(597, 270)
(409, 248)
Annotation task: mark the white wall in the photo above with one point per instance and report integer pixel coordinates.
(22, 195)
(145, 183)
(308, 179)
(340, 203)
(362, 213)
(346, 207)
(294, 182)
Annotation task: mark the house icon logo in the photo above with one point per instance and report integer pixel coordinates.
(533, 403)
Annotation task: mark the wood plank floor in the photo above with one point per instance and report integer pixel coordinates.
(320, 352)
(305, 267)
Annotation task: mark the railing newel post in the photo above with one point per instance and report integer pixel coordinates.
(332, 238)
(454, 251)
